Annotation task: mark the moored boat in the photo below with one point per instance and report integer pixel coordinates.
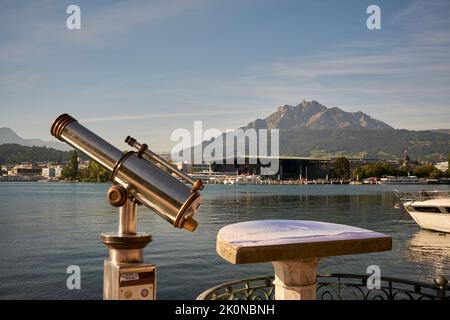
(402, 180)
(429, 209)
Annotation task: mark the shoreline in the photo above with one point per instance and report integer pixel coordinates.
(271, 183)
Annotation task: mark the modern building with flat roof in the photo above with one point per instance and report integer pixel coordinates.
(289, 167)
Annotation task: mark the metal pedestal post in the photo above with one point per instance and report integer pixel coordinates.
(125, 276)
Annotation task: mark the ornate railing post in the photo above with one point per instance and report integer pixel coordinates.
(391, 293)
(441, 283)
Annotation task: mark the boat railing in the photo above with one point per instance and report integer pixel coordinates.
(421, 195)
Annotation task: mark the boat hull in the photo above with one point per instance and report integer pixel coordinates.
(432, 221)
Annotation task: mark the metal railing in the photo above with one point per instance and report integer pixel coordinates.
(421, 195)
(335, 287)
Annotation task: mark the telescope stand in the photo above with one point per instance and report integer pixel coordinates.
(126, 276)
(139, 176)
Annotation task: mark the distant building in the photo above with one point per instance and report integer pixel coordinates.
(58, 171)
(29, 172)
(25, 170)
(48, 172)
(83, 164)
(52, 171)
(192, 168)
(4, 171)
(202, 167)
(290, 167)
(443, 166)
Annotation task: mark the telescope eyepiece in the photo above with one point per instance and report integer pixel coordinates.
(59, 124)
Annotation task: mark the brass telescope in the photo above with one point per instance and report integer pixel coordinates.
(141, 174)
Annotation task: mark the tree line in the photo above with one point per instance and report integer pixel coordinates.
(11, 153)
(92, 173)
(341, 168)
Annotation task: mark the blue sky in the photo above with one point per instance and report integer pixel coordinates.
(146, 68)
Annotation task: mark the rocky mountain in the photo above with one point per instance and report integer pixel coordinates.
(8, 136)
(312, 115)
(311, 129)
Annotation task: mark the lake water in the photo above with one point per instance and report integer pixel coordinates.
(45, 227)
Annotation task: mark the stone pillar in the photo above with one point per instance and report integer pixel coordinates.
(295, 279)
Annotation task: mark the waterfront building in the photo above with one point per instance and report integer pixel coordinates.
(29, 172)
(26, 170)
(443, 166)
(48, 172)
(58, 171)
(290, 167)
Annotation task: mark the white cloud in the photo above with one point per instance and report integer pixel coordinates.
(169, 115)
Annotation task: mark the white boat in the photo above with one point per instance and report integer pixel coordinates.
(429, 209)
(402, 180)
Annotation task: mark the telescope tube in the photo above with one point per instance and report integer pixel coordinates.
(146, 182)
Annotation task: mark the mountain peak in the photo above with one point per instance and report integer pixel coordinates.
(285, 108)
(7, 135)
(305, 103)
(315, 116)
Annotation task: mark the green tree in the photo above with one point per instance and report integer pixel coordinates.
(374, 170)
(70, 172)
(402, 171)
(95, 173)
(66, 173)
(341, 168)
(74, 164)
(378, 170)
(436, 174)
(424, 171)
(358, 174)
